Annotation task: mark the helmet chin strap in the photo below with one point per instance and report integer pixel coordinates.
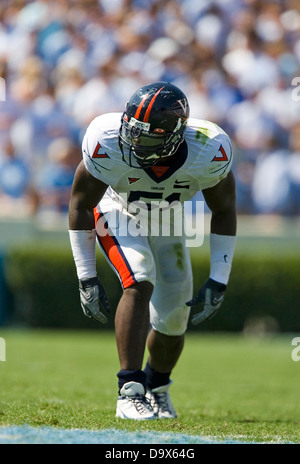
(150, 158)
(172, 152)
(148, 161)
(161, 158)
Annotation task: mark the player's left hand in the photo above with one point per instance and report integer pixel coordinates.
(212, 295)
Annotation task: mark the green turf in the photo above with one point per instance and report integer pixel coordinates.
(225, 386)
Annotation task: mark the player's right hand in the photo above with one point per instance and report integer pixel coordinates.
(92, 294)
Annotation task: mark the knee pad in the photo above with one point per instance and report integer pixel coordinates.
(169, 313)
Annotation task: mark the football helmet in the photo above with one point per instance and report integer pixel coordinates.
(153, 124)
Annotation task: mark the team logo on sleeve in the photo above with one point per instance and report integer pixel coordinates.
(222, 157)
(99, 152)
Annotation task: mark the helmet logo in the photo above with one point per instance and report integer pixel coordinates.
(184, 105)
(159, 131)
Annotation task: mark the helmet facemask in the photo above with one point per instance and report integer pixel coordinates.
(141, 147)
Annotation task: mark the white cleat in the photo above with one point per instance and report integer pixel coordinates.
(161, 403)
(132, 403)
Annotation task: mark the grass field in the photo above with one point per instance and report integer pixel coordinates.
(225, 386)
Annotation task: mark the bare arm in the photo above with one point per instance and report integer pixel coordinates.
(86, 193)
(221, 201)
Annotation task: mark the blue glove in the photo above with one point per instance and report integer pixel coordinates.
(212, 295)
(91, 294)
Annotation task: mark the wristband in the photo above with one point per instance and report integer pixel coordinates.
(221, 255)
(84, 253)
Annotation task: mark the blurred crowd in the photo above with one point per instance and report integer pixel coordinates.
(63, 62)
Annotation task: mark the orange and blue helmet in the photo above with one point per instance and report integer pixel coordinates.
(153, 124)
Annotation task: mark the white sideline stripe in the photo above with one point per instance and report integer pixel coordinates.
(48, 435)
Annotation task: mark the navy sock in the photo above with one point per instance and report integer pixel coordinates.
(156, 379)
(125, 376)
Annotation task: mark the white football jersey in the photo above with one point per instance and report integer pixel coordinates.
(206, 159)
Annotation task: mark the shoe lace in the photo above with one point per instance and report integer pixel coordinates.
(141, 403)
(162, 400)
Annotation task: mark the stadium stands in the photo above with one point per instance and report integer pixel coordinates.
(64, 62)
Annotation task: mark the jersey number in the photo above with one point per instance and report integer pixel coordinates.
(137, 195)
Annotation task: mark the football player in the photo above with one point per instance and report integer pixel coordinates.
(151, 155)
